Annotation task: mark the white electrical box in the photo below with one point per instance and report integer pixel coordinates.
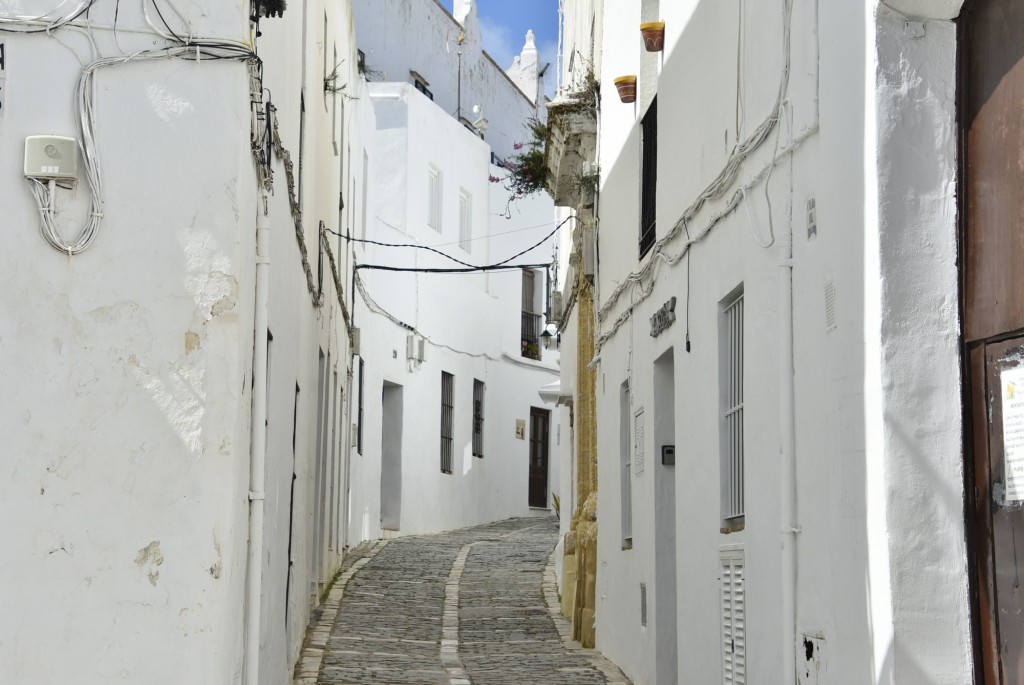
(51, 157)
(415, 348)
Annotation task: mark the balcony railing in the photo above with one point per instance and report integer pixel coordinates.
(531, 336)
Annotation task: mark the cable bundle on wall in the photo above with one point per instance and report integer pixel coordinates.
(715, 190)
(44, 190)
(44, 23)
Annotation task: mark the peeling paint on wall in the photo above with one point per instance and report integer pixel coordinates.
(151, 556)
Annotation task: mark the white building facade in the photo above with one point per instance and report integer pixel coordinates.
(780, 428)
(450, 428)
(175, 472)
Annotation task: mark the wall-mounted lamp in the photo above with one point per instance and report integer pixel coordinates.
(549, 336)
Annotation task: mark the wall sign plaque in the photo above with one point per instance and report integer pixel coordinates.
(663, 318)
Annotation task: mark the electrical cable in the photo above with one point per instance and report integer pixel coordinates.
(471, 267)
(484, 237)
(424, 270)
(45, 22)
(372, 305)
(418, 247)
(85, 102)
(715, 190)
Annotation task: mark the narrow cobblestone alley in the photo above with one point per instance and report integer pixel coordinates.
(477, 605)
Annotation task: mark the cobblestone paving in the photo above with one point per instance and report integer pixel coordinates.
(393, 624)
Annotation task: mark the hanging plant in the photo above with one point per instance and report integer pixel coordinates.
(528, 172)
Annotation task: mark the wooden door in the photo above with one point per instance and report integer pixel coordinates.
(996, 378)
(540, 420)
(992, 277)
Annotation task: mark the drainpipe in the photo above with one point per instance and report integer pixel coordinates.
(787, 451)
(257, 463)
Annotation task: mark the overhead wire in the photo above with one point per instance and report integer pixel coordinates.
(470, 267)
(468, 270)
(376, 308)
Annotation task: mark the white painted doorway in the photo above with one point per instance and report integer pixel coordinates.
(391, 457)
(665, 619)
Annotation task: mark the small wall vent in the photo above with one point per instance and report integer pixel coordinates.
(812, 219)
(830, 305)
(643, 604)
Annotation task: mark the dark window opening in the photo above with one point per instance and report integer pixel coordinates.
(447, 419)
(478, 418)
(359, 431)
(421, 84)
(530, 326)
(649, 178)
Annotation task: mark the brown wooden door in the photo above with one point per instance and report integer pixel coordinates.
(540, 420)
(992, 272)
(996, 379)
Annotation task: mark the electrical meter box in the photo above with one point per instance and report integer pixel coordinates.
(51, 157)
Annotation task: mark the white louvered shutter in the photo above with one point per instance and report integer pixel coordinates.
(638, 443)
(734, 618)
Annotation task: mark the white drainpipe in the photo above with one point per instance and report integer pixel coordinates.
(257, 464)
(788, 515)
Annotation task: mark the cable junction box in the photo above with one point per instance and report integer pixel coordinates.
(51, 157)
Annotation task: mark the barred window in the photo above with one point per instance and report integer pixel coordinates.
(447, 419)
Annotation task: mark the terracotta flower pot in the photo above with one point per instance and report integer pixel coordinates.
(626, 85)
(653, 33)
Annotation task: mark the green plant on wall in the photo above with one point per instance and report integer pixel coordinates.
(331, 80)
(528, 171)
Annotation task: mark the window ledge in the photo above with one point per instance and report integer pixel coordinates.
(733, 525)
(530, 363)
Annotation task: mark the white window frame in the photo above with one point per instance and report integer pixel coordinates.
(626, 459)
(732, 432)
(435, 185)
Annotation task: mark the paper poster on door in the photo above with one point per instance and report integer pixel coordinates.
(1012, 382)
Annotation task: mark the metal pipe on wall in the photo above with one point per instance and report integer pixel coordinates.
(258, 455)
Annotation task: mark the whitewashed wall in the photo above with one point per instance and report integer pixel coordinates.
(329, 160)
(476, 316)
(126, 468)
(881, 559)
(129, 474)
(399, 36)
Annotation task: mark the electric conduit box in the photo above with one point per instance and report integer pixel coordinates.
(51, 157)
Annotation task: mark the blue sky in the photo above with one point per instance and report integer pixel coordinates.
(504, 24)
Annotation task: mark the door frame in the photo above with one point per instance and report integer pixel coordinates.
(546, 445)
(973, 374)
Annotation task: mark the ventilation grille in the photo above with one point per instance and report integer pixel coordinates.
(643, 604)
(830, 305)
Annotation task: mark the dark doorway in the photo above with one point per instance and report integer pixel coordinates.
(391, 458)
(540, 428)
(992, 211)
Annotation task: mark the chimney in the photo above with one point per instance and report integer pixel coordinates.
(524, 68)
(461, 9)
